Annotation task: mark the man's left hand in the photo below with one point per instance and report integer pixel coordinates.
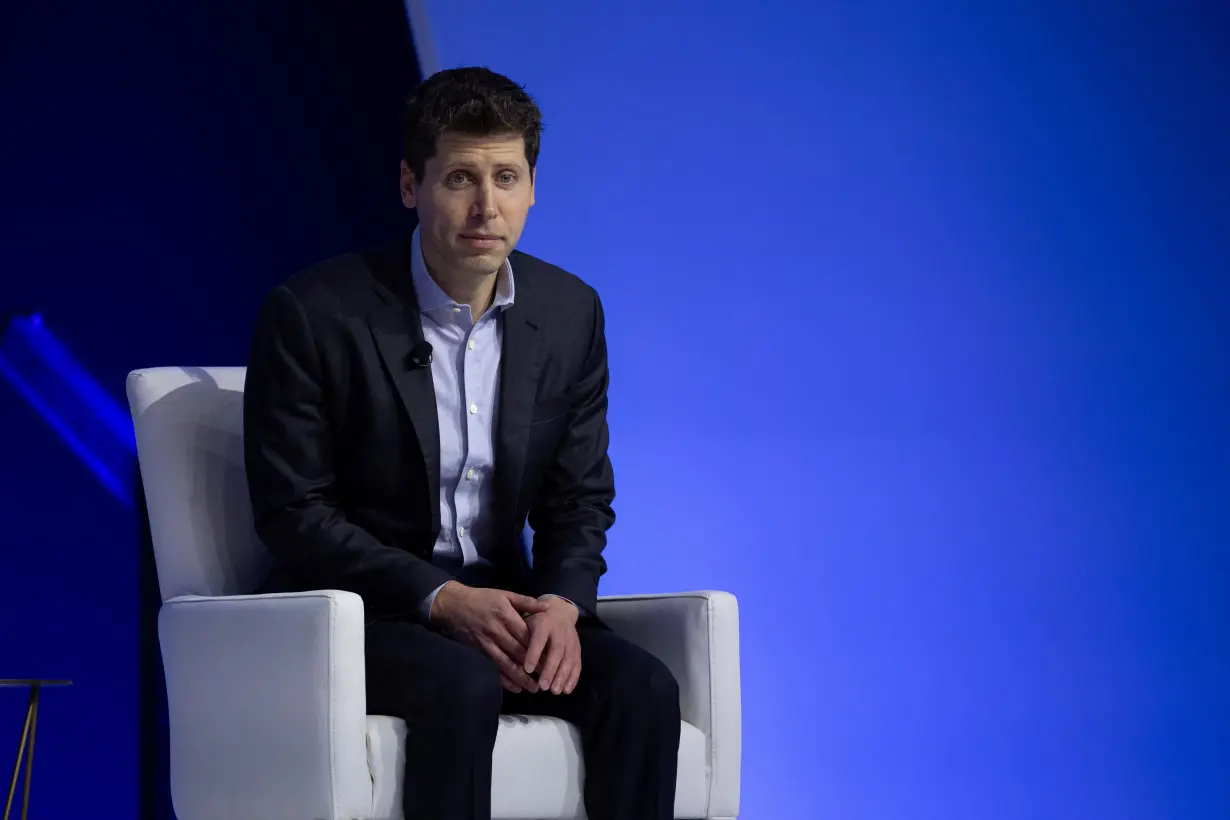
(554, 650)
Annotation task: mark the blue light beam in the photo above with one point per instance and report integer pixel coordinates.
(91, 422)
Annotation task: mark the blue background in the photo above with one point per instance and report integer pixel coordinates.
(917, 316)
(918, 321)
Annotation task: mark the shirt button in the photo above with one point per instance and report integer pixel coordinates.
(461, 531)
(470, 344)
(456, 310)
(473, 409)
(470, 474)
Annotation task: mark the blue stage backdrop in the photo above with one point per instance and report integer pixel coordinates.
(917, 316)
(163, 166)
(918, 321)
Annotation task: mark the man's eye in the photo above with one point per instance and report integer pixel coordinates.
(507, 178)
(456, 178)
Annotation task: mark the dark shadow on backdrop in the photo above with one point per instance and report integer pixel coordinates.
(301, 108)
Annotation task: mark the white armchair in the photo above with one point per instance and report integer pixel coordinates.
(266, 693)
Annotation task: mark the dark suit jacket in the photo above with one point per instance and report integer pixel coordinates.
(342, 440)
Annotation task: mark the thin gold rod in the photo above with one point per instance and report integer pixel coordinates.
(25, 797)
(21, 750)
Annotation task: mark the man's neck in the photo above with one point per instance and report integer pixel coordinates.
(467, 289)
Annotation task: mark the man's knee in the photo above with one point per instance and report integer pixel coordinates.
(663, 689)
(472, 690)
(648, 687)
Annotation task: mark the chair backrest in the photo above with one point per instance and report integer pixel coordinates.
(189, 430)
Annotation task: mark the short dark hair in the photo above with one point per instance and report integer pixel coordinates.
(474, 101)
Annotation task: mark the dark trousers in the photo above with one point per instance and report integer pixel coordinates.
(625, 705)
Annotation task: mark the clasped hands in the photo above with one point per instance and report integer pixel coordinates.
(532, 641)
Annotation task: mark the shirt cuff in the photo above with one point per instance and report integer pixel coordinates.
(424, 609)
(580, 612)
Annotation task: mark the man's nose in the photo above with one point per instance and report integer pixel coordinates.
(484, 202)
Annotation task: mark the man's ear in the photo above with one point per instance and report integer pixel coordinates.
(533, 179)
(409, 186)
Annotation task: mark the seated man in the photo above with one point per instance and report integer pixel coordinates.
(406, 410)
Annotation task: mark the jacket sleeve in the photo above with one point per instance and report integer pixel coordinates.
(572, 512)
(288, 450)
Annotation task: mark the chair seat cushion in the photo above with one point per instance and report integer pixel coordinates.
(536, 769)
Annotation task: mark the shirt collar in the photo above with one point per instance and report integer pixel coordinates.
(431, 296)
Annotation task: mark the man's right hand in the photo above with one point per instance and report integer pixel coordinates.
(491, 620)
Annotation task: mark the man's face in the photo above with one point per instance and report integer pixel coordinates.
(472, 202)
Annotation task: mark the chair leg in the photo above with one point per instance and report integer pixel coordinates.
(24, 749)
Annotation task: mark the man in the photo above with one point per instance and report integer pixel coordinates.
(406, 411)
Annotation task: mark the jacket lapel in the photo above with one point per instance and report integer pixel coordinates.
(396, 328)
(520, 362)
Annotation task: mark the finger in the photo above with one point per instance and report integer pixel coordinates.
(538, 642)
(574, 676)
(509, 685)
(524, 603)
(508, 667)
(517, 675)
(515, 624)
(560, 683)
(565, 678)
(507, 644)
(550, 664)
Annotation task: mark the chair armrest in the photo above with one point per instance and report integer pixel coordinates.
(267, 705)
(696, 634)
